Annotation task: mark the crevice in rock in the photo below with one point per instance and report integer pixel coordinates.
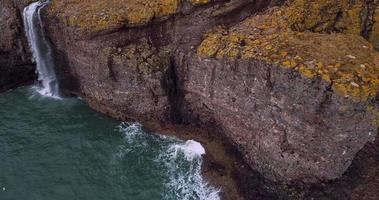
(175, 94)
(111, 72)
(367, 18)
(326, 99)
(269, 83)
(211, 87)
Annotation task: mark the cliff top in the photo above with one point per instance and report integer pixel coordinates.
(317, 38)
(99, 15)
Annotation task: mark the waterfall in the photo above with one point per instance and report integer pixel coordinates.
(41, 49)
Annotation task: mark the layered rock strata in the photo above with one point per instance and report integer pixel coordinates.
(294, 88)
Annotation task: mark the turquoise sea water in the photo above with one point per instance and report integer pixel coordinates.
(54, 149)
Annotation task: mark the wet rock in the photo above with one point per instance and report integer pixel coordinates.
(15, 60)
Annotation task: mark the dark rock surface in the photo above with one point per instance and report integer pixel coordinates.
(15, 60)
(132, 71)
(288, 127)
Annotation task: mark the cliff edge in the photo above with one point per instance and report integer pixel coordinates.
(292, 84)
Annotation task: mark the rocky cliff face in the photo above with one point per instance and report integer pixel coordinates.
(295, 87)
(15, 60)
(307, 137)
(134, 60)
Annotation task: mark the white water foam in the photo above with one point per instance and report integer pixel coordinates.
(182, 160)
(41, 49)
(191, 150)
(36, 92)
(130, 130)
(187, 184)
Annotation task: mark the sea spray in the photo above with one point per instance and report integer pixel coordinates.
(191, 150)
(181, 161)
(184, 161)
(41, 49)
(43, 141)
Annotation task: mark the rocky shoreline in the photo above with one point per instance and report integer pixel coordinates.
(224, 167)
(290, 86)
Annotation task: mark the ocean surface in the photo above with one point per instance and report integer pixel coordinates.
(60, 149)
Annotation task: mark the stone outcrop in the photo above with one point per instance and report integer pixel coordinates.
(323, 57)
(131, 70)
(15, 64)
(294, 88)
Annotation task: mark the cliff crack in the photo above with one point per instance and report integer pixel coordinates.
(175, 94)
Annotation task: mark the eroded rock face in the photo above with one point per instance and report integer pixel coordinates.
(290, 127)
(311, 137)
(15, 63)
(131, 71)
(298, 100)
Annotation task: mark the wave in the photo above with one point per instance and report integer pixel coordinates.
(184, 161)
(181, 160)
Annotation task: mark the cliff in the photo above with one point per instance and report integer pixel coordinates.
(294, 87)
(292, 84)
(15, 60)
(298, 75)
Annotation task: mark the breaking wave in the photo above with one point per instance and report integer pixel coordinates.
(181, 160)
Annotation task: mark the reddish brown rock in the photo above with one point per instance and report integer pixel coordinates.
(131, 71)
(288, 126)
(15, 63)
(291, 123)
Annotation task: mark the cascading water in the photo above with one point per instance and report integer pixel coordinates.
(41, 49)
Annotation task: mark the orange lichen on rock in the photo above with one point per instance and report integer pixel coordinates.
(325, 15)
(99, 15)
(279, 37)
(199, 2)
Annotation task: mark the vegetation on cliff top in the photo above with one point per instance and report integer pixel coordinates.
(100, 15)
(317, 38)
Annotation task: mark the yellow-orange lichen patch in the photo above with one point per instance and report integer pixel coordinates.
(325, 15)
(99, 15)
(199, 2)
(346, 60)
